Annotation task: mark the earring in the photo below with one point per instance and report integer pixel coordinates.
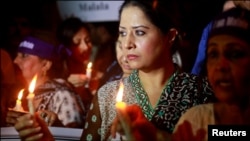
(44, 72)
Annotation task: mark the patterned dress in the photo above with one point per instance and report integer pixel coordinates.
(58, 96)
(181, 92)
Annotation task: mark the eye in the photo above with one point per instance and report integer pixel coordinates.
(88, 40)
(139, 32)
(212, 54)
(122, 33)
(235, 54)
(24, 55)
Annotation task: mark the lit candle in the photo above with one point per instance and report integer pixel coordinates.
(88, 73)
(31, 95)
(121, 107)
(18, 106)
(89, 70)
(119, 104)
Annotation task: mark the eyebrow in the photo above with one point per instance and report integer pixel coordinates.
(135, 27)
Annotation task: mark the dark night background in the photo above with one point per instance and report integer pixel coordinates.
(44, 16)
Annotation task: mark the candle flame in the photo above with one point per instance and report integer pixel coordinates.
(32, 84)
(89, 65)
(120, 93)
(20, 94)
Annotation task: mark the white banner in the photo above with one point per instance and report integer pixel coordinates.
(90, 11)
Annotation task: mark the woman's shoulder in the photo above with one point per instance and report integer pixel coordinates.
(110, 89)
(199, 113)
(202, 109)
(113, 85)
(198, 116)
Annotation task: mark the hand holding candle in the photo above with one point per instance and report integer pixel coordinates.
(18, 106)
(31, 95)
(121, 113)
(130, 121)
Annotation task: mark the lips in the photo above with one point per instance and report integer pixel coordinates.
(226, 83)
(132, 57)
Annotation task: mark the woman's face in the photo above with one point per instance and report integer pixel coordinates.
(83, 43)
(30, 65)
(228, 67)
(122, 60)
(142, 41)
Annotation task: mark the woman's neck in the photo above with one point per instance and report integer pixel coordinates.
(153, 82)
(157, 77)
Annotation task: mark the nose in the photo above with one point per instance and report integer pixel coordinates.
(223, 64)
(128, 42)
(16, 60)
(84, 45)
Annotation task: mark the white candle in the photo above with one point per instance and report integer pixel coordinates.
(18, 106)
(31, 95)
(88, 73)
(119, 104)
(89, 70)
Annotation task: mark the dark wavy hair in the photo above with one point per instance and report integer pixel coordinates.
(68, 28)
(164, 14)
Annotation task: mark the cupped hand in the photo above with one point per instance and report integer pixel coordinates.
(132, 122)
(33, 128)
(78, 79)
(12, 116)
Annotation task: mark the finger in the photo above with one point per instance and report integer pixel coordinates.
(113, 129)
(34, 137)
(12, 113)
(46, 119)
(28, 132)
(51, 120)
(24, 121)
(10, 120)
(12, 116)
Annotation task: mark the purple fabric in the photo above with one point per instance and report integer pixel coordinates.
(34, 46)
(235, 22)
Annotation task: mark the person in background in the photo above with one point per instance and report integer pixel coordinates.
(199, 64)
(227, 63)
(55, 100)
(147, 32)
(104, 35)
(119, 69)
(75, 44)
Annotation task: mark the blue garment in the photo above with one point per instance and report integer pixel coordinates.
(201, 54)
(115, 71)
